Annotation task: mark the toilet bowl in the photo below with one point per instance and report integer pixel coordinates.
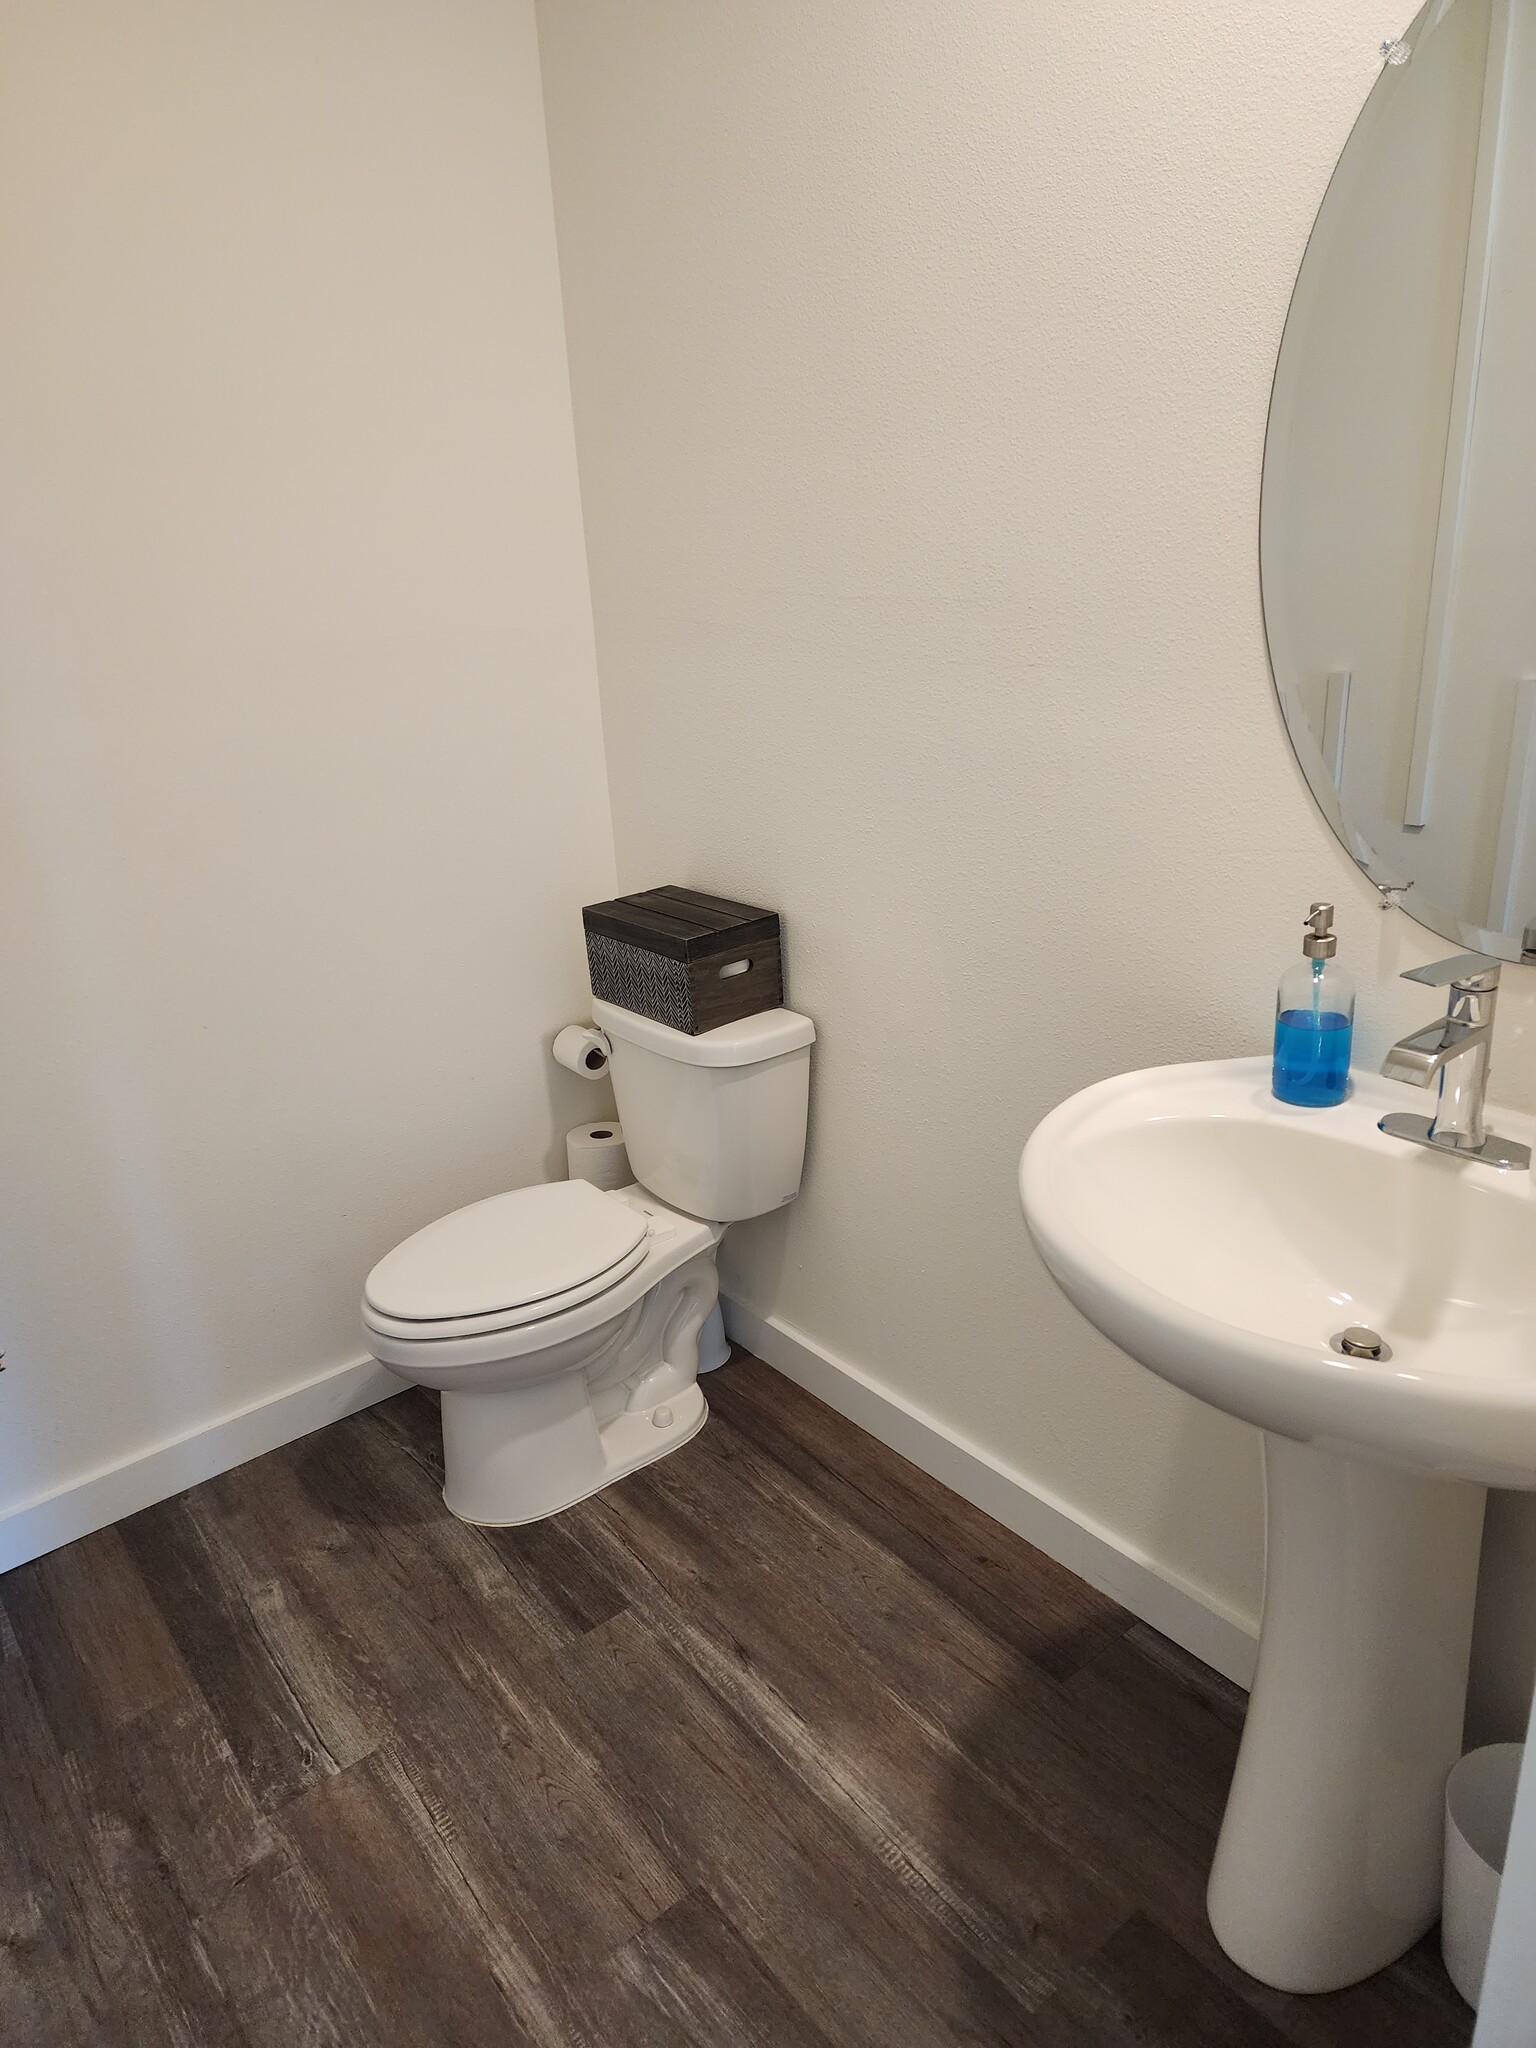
(560, 1323)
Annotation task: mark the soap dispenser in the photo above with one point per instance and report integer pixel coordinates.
(1314, 1020)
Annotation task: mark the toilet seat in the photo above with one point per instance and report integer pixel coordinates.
(512, 1259)
(453, 1354)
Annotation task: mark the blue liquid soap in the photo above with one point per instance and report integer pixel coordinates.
(1314, 1020)
(1312, 1057)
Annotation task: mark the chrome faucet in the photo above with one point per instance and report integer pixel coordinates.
(1454, 1050)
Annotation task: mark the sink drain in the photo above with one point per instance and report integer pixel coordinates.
(1360, 1341)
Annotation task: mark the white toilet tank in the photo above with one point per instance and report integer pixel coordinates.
(714, 1125)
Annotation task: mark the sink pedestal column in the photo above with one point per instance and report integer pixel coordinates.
(1329, 1861)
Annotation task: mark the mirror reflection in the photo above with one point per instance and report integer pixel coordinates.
(1399, 504)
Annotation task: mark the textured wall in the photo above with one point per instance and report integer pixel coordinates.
(302, 768)
(921, 358)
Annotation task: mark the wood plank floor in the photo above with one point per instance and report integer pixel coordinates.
(776, 1742)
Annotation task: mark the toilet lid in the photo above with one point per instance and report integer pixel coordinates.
(563, 1238)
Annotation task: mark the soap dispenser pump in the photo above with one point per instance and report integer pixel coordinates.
(1314, 1020)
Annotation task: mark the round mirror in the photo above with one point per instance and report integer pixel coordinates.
(1398, 528)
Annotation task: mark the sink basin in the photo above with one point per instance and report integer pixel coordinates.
(1224, 1238)
(1227, 1241)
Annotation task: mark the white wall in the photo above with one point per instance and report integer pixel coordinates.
(921, 358)
(302, 772)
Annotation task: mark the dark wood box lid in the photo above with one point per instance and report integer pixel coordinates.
(682, 924)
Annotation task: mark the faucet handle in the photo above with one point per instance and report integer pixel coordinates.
(1473, 971)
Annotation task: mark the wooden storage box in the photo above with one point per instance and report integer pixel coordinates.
(687, 960)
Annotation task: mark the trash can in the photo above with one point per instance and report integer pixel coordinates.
(1479, 1804)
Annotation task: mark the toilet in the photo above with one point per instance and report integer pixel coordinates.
(560, 1323)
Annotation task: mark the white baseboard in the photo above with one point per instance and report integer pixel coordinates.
(138, 1482)
(1218, 1635)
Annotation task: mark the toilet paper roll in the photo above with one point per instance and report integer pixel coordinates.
(583, 1049)
(595, 1152)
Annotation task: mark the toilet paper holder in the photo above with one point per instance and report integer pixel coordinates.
(584, 1050)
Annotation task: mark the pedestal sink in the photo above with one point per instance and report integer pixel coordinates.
(1227, 1241)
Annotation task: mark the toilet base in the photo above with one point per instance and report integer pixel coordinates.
(517, 1457)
